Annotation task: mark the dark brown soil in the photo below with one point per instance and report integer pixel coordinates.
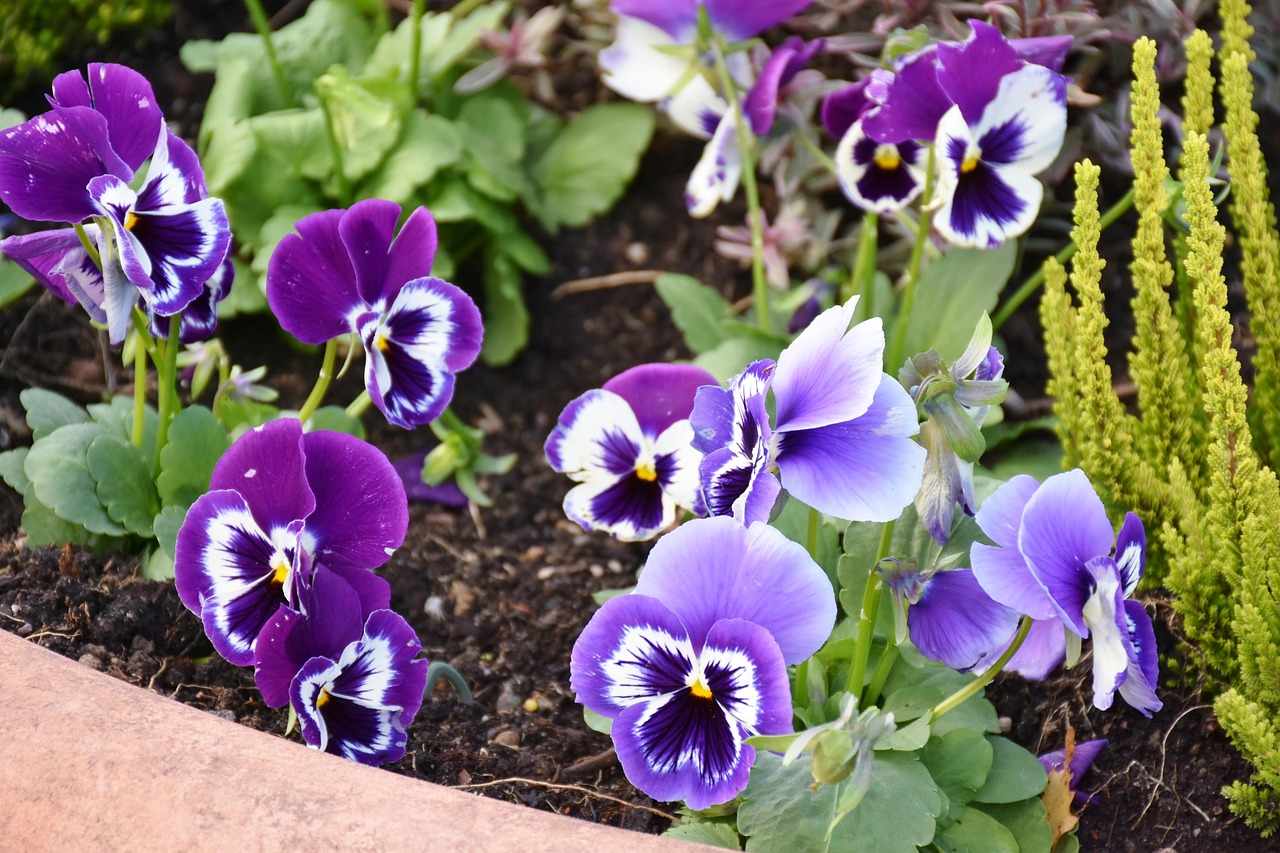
(503, 597)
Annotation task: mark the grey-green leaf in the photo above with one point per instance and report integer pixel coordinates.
(197, 441)
(1015, 775)
(46, 411)
(58, 468)
(124, 484)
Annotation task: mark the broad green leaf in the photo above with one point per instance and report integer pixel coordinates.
(492, 132)
(428, 144)
(453, 200)
(1041, 457)
(951, 295)
(365, 126)
(959, 762)
(908, 738)
(14, 281)
(730, 357)
(976, 832)
(124, 483)
(156, 565)
(1015, 775)
(852, 571)
(58, 468)
(11, 471)
(1025, 820)
(506, 320)
(46, 411)
(337, 419)
(166, 524)
(713, 833)
(697, 310)
(232, 96)
(117, 418)
(248, 294)
(196, 442)
(589, 164)
(525, 252)
(780, 811)
(43, 527)
(597, 722)
(444, 43)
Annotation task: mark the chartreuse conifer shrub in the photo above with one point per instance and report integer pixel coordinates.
(1196, 456)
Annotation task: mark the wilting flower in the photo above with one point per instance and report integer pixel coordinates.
(951, 619)
(276, 491)
(75, 164)
(348, 271)
(628, 445)
(841, 438)
(695, 661)
(353, 677)
(788, 237)
(955, 402)
(523, 47)
(1082, 757)
(1054, 560)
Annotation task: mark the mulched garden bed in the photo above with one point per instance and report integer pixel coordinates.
(502, 597)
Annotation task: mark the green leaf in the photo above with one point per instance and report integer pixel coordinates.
(197, 441)
(712, 833)
(124, 483)
(780, 812)
(588, 165)
(976, 832)
(14, 281)
(156, 565)
(41, 525)
(11, 462)
(1015, 775)
(697, 310)
(951, 295)
(365, 125)
(336, 419)
(731, 356)
(525, 252)
(46, 411)
(597, 722)
(1025, 820)
(58, 468)
(506, 320)
(959, 762)
(117, 418)
(428, 144)
(492, 131)
(166, 525)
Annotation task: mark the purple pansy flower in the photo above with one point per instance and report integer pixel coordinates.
(275, 491)
(352, 676)
(629, 446)
(841, 438)
(694, 662)
(1054, 560)
(1082, 758)
(781, 68)
(348, 271)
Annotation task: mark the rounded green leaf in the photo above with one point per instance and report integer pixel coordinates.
(58, 468)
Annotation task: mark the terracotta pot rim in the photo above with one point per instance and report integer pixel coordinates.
(96, 763)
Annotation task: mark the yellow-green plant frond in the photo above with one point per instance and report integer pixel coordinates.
(1253, 732)
(1236, 29)
(1257, 615)
(1254, 217)
(1058, 319)
(1167, 391)
(1197, 98)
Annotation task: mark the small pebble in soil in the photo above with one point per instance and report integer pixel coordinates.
(508, 700)
(91, 661)
(636, 253)
(508, 739)
(434, 607)
(531, 705)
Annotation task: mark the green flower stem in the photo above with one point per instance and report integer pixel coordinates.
(139, 393)
(168, 403)
(880, 676)
(360, 405)
(823, 158)
(263, 26)
(815, 518)
(322, 381)
(894, 359)
(88, 246)
(344, 185)
(864, 265)
(969, 690)
(1036, 279)
(759, 285)
(415, 51)
(867, 617)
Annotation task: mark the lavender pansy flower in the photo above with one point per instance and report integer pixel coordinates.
(1054, 559)
(1007, 125)
(841, 438)
(628, 446)
(1082, 758)
(275, 491)
(353, 677)
(694, 662)
(349, 271)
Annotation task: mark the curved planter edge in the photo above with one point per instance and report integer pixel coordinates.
(94, 763)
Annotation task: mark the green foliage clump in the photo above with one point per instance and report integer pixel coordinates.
(35, 37)
(1195, 458)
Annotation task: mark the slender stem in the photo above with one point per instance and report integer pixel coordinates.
(894, 359)
(880, 676)
(415, 55)
(823, 158)
(360, 405)
(344, 185)
(88, 245)
(1033, 282)
(956, 699)
(815, 519)
(755, 217)
(139, 392)
(867, 616)
(864, 264)
(322, 381)
(167, 401)
(263, 26)
(466, 7)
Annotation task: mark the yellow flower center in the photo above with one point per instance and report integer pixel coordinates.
(971, 160)
(322, 699)
(279, 568)
(887, 156)
(130, 220)
(382, 342)
(646, 470)
(699, 688)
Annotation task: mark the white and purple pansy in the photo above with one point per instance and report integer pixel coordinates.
(695, 660)
(1054, 560)
(352, 676)
(841, 439)
(1007, 125)
(275, 491)
(628, 445)
(881, 177)
(348, 271)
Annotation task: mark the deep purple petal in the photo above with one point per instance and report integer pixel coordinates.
(412, 253)
(866, 469)
(714, 568)
(125, 100)
(742, 19)
(882, 177)
(1081, 759)
(366, 230)
(744, 489)
(46, 165)
(200, 317)
(310, 283)
(829, 374)
(955, 622)
(660, 394)
(970, 73)
(678, 18)
(597, 436)
(761, 104)
(913, 103)
(265, 466)
(409, 468)
(629, 508)
(384, 670)
(1131, 552)
(187, 246)
(1004, 574)
(174, 178)
(843, 107)
(1143, 672)
(1049, 51)
(41, 253)
(361, 513)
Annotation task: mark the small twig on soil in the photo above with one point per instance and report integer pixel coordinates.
(517, 780)
(592, 763)
(164, 665)
(443, 543)
(13, 618)
(39, 634)
(1164, 743)
(603, 282)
